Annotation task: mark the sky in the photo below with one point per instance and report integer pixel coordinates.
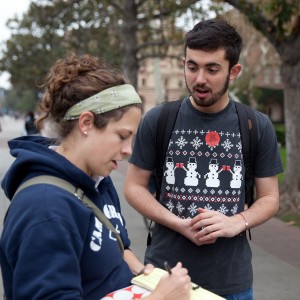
(8, 9)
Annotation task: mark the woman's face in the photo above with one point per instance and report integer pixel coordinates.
(103, 148)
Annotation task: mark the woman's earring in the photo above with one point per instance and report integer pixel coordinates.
(85, 132)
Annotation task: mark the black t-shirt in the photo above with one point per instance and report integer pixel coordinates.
(204, 168)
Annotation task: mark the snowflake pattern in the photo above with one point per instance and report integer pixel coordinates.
(223, 209)
(196, 142)
(234, 209)
(180, 207)
(181, 142)
(239, 147)
(170, 206)
(227, 145)
(192, 209)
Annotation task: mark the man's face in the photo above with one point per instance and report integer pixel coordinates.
(207, 78)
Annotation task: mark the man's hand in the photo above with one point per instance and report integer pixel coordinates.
(185, 228)
(209, 225)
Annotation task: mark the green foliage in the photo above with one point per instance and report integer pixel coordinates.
(292, 218)
(281, 14)
(283, 159)
(280, 133)
(47, 32)
(22, 101)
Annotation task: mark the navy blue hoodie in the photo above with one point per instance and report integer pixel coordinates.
(52, 246)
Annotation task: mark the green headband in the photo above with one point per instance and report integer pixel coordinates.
(107, 100)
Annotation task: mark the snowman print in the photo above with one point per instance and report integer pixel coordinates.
(169, 173)
(237, 177)
(191, 173)
(213, 174)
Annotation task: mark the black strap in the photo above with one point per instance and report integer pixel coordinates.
(165, 124)
(53, 180)
(249, 138)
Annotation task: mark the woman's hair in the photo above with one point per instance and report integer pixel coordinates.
(73, 79)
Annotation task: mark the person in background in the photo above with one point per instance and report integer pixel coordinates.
(201, 216)
(52, 245)
(30, 126)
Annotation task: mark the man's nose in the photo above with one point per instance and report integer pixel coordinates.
(201, 77)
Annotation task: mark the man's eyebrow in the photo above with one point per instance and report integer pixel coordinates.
(190, 61)
(210, 64)
(213, 64)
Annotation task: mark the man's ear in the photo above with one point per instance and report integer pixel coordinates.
(86, 121)
(235, 71)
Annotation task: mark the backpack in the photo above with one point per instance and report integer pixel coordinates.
(248, 128)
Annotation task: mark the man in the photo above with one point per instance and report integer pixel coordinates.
(30, 127)
(204, 226)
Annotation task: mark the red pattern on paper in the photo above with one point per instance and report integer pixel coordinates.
(129, 293)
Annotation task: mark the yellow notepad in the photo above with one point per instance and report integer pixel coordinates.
(150, 281)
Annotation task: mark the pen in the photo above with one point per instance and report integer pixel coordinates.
(167, 267)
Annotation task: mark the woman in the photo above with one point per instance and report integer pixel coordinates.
(53, 246)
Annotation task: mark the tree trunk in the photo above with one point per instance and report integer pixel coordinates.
(287, 47)
(129, 41)
(290, 188)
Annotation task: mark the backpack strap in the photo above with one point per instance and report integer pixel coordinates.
(165, 124)
(249, 137)
(53, 180)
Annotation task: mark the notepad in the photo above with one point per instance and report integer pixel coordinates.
(150, 281)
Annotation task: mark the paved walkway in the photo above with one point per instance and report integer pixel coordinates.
(275, 245)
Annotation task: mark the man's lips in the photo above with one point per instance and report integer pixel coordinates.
(201, 91)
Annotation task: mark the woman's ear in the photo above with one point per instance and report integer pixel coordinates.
(235, 71)
(86, 121)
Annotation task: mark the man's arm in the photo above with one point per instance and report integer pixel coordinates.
(217, 225)
(267, 201)
(138, 196)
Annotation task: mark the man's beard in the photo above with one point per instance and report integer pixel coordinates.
(214, 98)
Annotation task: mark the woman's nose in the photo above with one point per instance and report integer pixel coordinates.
(127, 149)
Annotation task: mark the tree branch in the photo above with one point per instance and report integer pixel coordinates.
(255, 16)
(167, 12)
(142, 57)
(157, 43)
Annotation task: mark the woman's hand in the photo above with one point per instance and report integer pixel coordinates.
(177, 285)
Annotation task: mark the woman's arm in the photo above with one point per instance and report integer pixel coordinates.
(133, 262)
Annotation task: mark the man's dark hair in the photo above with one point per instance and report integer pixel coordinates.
(211, 35)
